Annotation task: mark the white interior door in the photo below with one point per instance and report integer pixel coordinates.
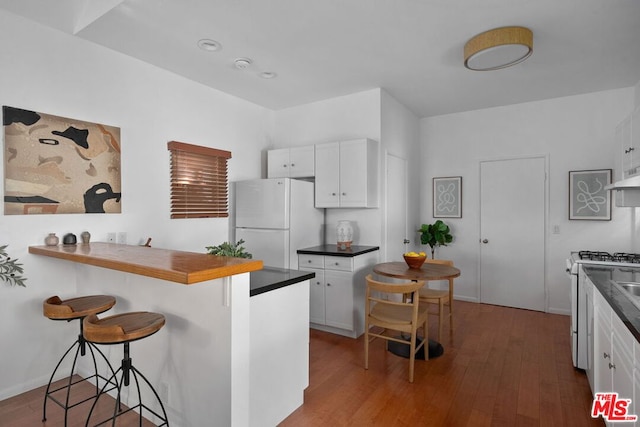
(512, 231)
(396, 208)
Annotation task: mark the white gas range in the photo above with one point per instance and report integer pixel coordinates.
(581, 315)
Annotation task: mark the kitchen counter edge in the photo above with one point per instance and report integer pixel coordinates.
(334, 250)
(176, 266)
(271, 278)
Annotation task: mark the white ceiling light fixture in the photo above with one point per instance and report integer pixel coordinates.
(498, 48)
(209, 45)
(242, 63)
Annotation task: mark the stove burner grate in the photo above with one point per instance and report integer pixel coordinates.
(606, 256)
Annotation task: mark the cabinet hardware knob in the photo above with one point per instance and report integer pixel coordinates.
(284, 166)
(328, 284)
(337, 263)
(344, 194)
(309, 261)
(628, 150)
(333, 194)
(612, 366)
(605, 355)
(293, 164)
(485, 241)
(405, 241)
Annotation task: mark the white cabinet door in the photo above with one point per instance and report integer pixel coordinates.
(317, 298)
(327, 175)
(278, 163)
(339, 299)
(635, 141)
(347, 174)
(623, 138)
(353, 174)
(302, 162)
(603, 381)
(294, 162)
(622, 362)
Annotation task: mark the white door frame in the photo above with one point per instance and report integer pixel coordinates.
(546, 221)
(385, 215)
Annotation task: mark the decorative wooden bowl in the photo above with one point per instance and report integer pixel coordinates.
(414, 261)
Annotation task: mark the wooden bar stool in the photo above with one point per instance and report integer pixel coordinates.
(124, 328)
(71, 309)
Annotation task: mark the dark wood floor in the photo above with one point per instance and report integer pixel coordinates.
(501, 367)
(25, 410)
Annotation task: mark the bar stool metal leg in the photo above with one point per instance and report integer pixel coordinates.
(111, 330)
(77, 309)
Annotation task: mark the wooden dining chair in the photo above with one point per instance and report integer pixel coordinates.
(439, 297)
(386, 308)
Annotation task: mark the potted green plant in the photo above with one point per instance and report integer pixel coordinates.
(10, 270)
(235, 250)
(436, 234)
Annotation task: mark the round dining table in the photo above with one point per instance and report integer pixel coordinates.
(428, 271)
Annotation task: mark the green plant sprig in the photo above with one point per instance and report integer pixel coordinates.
(235, 250)
(436, 234)
(10, 270)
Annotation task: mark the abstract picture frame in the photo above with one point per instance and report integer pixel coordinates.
(59, 165)
(447, 197)
(588, 200)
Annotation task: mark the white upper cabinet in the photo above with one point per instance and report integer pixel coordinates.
(627, 138)
(295, 162)
(347, 174)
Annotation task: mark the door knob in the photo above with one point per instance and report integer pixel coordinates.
(485, 241)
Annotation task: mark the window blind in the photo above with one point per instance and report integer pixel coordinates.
(199, 184)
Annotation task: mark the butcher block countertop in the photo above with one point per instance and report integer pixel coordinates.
(176, 266)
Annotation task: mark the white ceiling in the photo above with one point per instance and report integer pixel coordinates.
(321, 49)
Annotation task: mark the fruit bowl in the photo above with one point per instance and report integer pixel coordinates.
(414, 261)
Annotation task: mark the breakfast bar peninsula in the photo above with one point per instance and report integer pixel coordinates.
(204, 361)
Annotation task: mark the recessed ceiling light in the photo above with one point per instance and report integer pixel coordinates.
(268, 75)
(242, 63)
(209, 45)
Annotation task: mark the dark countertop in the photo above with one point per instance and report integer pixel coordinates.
(333, 250)
(271, 278)
(601, 277)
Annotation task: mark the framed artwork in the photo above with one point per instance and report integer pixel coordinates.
(447, 197)
(56, 165)
(587, 197)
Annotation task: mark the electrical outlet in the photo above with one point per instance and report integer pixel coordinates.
(122, 237)
(111, 237)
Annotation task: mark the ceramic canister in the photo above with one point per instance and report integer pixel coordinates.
(344, 233)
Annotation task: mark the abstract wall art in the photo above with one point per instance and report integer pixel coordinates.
(587, 197)
(447, 197)
(56, 165)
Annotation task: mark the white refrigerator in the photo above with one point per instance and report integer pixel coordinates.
(276, 217)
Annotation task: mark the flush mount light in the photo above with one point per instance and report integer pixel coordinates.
(498, 48)
(209, 45)
(242, 63)
(268, 75)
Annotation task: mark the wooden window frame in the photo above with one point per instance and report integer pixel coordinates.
(199, 181)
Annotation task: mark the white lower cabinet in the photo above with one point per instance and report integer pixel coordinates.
(336, 301)
(616, 367)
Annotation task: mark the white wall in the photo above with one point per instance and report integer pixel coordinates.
(576, 132)
(401, 137)
(52, 72)
(337, 119)
(370, 114)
